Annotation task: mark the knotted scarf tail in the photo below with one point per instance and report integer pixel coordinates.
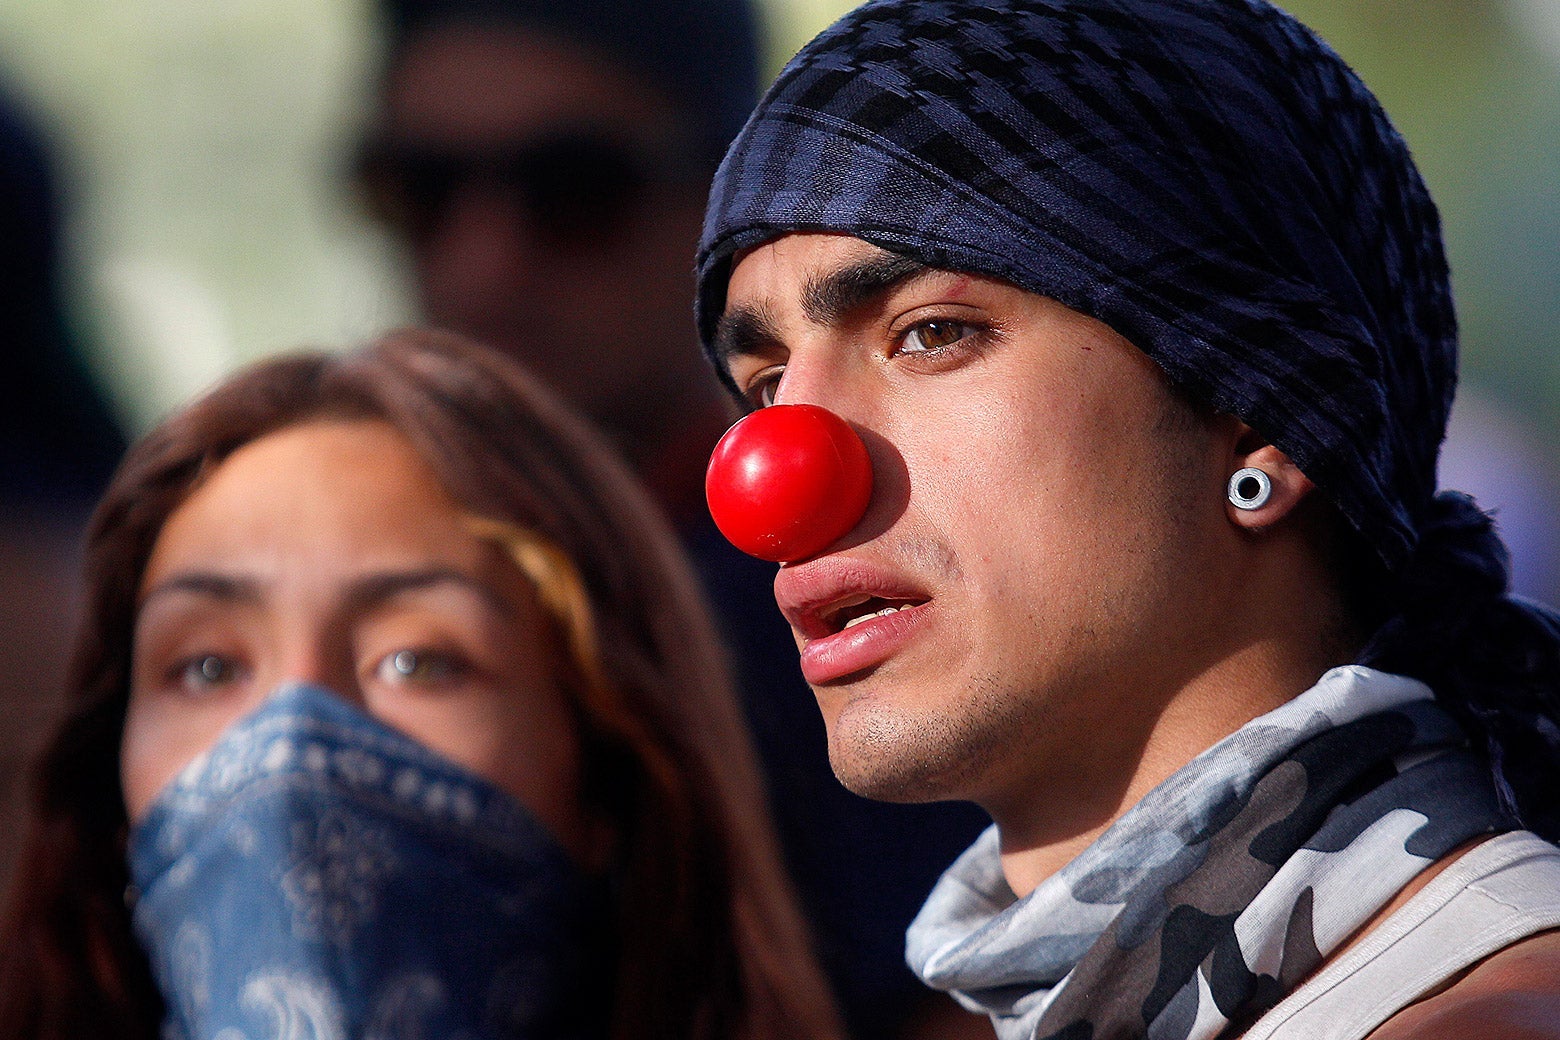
(1493, 659)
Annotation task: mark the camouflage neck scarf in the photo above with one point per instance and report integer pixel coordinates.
(1225, 886)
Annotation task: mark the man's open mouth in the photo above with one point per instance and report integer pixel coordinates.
(869, 608)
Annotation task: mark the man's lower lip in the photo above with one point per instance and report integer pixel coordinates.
(862, 646)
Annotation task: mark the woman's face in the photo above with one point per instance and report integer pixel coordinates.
(328, 553)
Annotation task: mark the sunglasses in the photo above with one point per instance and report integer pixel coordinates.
(573, 188)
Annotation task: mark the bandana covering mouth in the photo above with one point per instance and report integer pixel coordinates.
(1227, 884)
(319, 875)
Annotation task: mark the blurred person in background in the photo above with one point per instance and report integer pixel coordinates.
(58, 444)
(395, 712)
(545, 163)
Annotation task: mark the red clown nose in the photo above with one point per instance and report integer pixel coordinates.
(788, 480)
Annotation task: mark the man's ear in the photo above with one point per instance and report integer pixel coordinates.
(1262, 503)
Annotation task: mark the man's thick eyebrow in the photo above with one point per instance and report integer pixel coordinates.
(827, 299)
(742, 331)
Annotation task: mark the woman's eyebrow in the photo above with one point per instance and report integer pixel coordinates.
(207, 584)
(373, 590)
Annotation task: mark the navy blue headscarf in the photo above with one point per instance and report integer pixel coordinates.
(1212, 181)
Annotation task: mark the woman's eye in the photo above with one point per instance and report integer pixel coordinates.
(934, 335)
(425, 667)
(204, 671)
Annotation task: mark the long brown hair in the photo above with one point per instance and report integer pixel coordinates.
(709, 942)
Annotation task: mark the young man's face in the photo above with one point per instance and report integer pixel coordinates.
(1046, 513)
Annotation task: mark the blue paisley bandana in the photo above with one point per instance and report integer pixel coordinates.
(317, 875)
(1225, 885)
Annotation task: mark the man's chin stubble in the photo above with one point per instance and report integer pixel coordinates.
(889, 754)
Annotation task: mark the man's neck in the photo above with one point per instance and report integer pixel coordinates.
(1038, 839)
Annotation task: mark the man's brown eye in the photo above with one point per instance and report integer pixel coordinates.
(934, 335)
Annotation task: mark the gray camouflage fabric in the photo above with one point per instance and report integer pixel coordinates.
(1214, 895)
